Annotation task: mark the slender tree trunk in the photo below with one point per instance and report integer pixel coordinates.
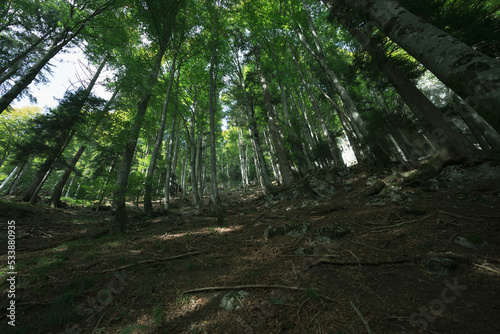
(216, 205)
(184, 175)
(283, 161)
(4, 183)
(486, 130)
(148, 189)
(55, 199)
(168, 154)
(34, 186)
(317, 110)
(243, 161)
(260, 165)
(120, 221)
(59, 42)
(18, 176)
(450, 136)
(472, 75)
(272, 155)
(193, 144)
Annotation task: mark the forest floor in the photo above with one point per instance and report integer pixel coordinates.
(381, 275)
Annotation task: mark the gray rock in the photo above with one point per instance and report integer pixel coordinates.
(371, 180)
(291, 229)
(471, 241)
(375, 188)
(232, 301)
(321, 188)
(440, 266)
(348, 188)
(302, 251)
(331, 233)
(377, 202)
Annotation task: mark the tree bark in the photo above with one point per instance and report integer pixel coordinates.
(120, 220)
(4, 183)
(148, 187)
(283, 161)
(254, 134)
(472, 75)
(62, 39)
(55, 199)
(242, 148)
(168, 155)
(216, 205)
(448, 133)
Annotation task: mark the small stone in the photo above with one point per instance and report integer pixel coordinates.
(331, 233)
(375, 188)
(470, 242)
(232, 301)
(377, 202)
(440, 266)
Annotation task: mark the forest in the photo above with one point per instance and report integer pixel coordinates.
(288, 166)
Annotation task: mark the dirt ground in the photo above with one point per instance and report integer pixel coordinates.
(377, 278)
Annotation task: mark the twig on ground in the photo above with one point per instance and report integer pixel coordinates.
(487, 268)
(395, 261)
(384, 228)
(378, 249)
(151, 261)
(459, 216)
(319, 327)
(298, 316)
(293, 269)
(357, 258)
(362, 318)
(251, 286)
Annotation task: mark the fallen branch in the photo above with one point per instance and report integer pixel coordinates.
(487, 268)
(459, 216)
(383, 228)
(362, 318)
(251, 286)
(395, 261)
(151, 261)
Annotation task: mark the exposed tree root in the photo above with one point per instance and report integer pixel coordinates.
(395, 261)
(237, 287)
(432, 167)
(151, 261)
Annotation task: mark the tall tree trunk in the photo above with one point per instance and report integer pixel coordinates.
(260, 165)
(283, 161)
(184, 175)
(317, 110)
(193, 145)
(450, 136)
(272, 154)
(31, 192)
(216, 205)
(168, 155)
(19, 176)
(294, 134)
(472, 75)
(55, 199)
(243, 161)
(486, 130)
(120, 220)
(59, 42)
(11, 175)
(148, 187)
